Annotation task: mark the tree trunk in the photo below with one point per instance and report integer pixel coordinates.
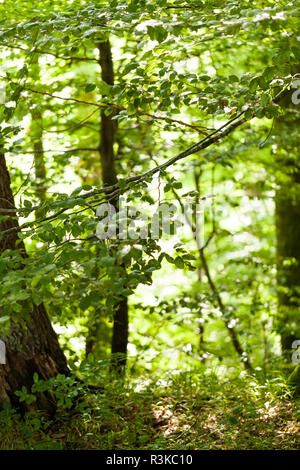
(288, 264)
(108, 127)
(287, 211)
(36, 348)
(109, 176)
(36, 137)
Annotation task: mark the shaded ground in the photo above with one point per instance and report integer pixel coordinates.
(191, 413)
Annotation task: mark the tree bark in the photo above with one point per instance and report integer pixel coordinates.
(36, 348)
(109, 176)
(287, 213)
(288, 265)
(108, 127)
(36, 137)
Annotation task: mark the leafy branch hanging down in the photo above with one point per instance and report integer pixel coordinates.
(123, 186)
(111, 106)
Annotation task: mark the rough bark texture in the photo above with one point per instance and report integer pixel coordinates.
(109, 175)
(107, 130)
(35, 349)
(288, 262)
(288, 226)
(36, 137)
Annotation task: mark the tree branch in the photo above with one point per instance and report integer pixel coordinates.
(112, 106)
(83, 59)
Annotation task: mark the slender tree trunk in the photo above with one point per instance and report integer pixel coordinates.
(288, 264)
(108, 127)
(287, 212)
(36, 137)
(109, 176)
(204, 265)
(36, 348)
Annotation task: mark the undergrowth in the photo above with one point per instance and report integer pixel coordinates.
(183, 411)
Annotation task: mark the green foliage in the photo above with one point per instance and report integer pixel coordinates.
(184, 72)
(184, 411)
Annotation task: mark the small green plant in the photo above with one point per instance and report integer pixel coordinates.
(188, 410)
(66, 390)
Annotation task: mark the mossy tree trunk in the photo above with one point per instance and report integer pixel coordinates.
(36, 348)
(108, 126)
(36, 137)
(288, 262)
(287, 211)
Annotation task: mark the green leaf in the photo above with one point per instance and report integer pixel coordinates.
(4, 319)
(90, 87)
(281, 57)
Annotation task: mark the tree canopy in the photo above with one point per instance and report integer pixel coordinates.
(150, 216)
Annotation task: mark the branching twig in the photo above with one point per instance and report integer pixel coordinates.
(233, 335)
(113, 106)
(39, 51)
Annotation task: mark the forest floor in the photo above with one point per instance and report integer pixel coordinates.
(189, 413)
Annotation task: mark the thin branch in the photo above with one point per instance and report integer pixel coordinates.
(182, 7)
(75, 149)
(113, 106)
(77, 124)
(115, 189)
(212, 138)
(83, 59)
(233, 334)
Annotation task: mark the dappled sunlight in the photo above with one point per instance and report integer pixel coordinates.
(149, 225)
